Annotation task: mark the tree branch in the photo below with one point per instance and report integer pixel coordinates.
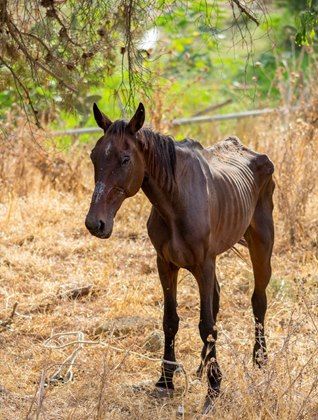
(18, 82)
(245, 11)
(12, 28)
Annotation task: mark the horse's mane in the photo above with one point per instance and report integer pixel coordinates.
(160, 154)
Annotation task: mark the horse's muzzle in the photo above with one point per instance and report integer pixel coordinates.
(98, 227)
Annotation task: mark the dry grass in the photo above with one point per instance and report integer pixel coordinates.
(45, 250)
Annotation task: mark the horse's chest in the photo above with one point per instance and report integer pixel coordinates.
(178, 243)
(181, 253)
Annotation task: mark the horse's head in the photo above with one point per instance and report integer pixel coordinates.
(119, 170)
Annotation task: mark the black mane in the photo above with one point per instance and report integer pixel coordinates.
(160, 153)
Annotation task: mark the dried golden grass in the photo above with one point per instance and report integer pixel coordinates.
(44, 248)
(31, 161)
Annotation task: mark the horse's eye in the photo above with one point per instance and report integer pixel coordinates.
(125, 160)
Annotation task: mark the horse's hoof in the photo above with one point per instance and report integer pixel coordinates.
(209, 406)
(160, 392)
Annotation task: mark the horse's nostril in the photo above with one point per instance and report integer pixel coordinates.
(90, 223)
(101, 226)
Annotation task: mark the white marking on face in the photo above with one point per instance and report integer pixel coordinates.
(107, 149)
(98, 192)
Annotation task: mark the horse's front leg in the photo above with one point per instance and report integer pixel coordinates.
(168, 274)
(216, 307)
(206, 278)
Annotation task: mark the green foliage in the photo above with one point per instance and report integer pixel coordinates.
(307, 23)
(80, 52)
(56, 52)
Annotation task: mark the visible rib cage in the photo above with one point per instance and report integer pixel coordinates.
(236, 198)
(235, 184)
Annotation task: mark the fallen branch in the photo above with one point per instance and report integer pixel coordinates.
(76, 292)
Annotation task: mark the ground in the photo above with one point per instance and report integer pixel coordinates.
(46, 252)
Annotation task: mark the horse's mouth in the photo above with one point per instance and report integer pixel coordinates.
(101, 234)
(105, 235)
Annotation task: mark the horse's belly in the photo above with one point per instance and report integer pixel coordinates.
(224, 240)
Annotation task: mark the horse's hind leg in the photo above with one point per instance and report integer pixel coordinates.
(205, 276)
(260, 240)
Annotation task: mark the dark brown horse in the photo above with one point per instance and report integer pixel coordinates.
(204, 201)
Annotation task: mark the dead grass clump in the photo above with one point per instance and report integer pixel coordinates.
(296, 179)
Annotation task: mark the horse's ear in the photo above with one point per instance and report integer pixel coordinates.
(137, 120)
(101, 119)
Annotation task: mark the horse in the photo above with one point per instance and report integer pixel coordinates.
(204, 201)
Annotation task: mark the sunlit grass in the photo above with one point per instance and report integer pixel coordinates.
(45, 250)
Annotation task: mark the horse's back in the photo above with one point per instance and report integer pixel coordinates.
(229, 153)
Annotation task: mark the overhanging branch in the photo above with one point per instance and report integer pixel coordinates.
(246, 12)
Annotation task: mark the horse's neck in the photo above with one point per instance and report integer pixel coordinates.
(169, 202)
(161, 199)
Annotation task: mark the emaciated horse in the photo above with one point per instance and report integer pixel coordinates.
(204, 201)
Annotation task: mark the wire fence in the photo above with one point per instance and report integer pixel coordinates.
(201, 119)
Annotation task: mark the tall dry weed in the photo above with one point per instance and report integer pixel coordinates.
(291, 141)
(30, 160)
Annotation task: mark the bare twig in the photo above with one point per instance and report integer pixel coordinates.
(245, 11)
(39, 397)
(18, 83)
(7, 322)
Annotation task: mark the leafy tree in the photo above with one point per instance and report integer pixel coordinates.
(55, 51)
